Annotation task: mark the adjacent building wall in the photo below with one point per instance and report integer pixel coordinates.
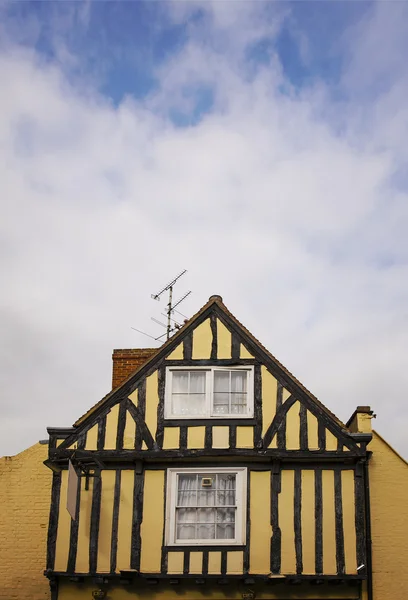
(389, 521)
(25, 487)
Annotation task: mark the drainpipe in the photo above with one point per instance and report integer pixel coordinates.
(367, 511)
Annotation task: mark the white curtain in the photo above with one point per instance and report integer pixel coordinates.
(188, 393)
(205, 513)
(230, 392)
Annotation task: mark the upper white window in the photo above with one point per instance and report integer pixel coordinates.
(209, 392)
(206, 506)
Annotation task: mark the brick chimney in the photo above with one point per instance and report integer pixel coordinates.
(125, 362)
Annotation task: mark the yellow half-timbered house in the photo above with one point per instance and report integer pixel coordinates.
(210, 472)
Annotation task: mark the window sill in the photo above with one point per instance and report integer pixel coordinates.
(203, 547)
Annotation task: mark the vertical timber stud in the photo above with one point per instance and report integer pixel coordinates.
(73, 536)
(121, 426)
(298, 520)
(205, 562)
(359, 513)
(183, 437)
(232, 437)
(235, 345)
(95, 516)
(214, 343)
(186, 562)
(164, 552)
(276, 532)
(338, 507)
(279, 396)
(208, 437)
(82, 441)
(53, 519)
(258, 406)
(137, 516)
(321, 434)
(115, 521)
(101, 433)
(188, 346)
(161, 382)
(224, 562)
(303, 441)
(281, 433)
(141, 405)
(318, 521)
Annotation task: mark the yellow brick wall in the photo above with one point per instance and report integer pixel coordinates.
(25, 490)
(389, 521)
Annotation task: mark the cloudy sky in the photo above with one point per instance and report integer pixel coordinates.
(260, 145)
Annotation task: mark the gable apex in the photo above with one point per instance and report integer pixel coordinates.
(214, 310)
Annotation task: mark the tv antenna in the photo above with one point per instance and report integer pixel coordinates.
(171, 308)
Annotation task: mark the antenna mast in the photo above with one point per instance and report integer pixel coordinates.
(170, 306)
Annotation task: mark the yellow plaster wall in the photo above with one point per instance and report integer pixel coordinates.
(244, 353)
(220, 437)
(195, 437)
(293, 427)
(25, 491)
(260, 516)
(84, 528)
(177, 353)
(349, 515)
(111, 428)
(129, 435)
(245, 437)
(308, 521)
(171, 439)
(269, 391)
(389, 521)
(92, 438)
(105, 521)
(202, 340)
(153, 521)
(329, 531)
(312, 431)
(224, 341)
(127, 481)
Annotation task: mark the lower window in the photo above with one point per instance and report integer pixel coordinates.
(206, 506)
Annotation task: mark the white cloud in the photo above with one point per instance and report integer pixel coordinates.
(300, 228)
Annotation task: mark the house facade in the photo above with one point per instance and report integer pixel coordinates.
(211, 472)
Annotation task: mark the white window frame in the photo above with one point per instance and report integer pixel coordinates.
(209, 384)
(241, 509)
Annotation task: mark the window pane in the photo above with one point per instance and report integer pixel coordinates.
(197, 382)
(206, 515)
(186, 532)
(226, 481)
(186, 515)
(187, 495)
(206, 498)
(221, 403)
(188, 393)
(180, 382)
(185, 404)
(221, 381)
(225, 515)
(238, 404)
(206, 532)
(238, 381)
(226, 498)
(225, 532)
